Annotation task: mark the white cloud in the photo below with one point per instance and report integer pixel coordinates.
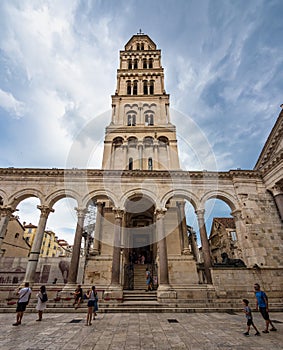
(8, 102)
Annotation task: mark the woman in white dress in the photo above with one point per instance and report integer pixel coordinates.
(41, 302)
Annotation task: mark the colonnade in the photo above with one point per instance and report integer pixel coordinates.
(6, 213)
(141, 158)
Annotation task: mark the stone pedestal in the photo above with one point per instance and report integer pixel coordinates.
(114, 294)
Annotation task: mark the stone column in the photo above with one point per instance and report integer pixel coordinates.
(193, 241)
(75, 259)
(155, 165)
(125, 151)
(183, 227)
(140, 148)
(115, 276)
(162, 249)
(277, 192)
(241, 233)
(98, 226)
(205, 245)
(37, 243)
(5, 215)
(140, 107)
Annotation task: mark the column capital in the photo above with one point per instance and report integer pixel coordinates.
(181, 204)
(237, 214)
(81, 212)
(99, 203)
(276, 190)
(45, 210)
(200, 212)
(118, 212)
(159, 213)
(7, 210)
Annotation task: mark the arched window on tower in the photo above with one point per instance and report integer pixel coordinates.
(129, 64)
(131, 164)
(150, 63)
(129, 88)
(145, 91)
(163, 141)
(144, 63)
(149, 164)
(135, 87)
(132, 142)
(131, 120)
(151, 87)
(135, 64)
(149, 119)
(142, 46)
(148, 142)
(117, 142)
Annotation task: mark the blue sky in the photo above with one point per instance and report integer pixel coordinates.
(223, 64)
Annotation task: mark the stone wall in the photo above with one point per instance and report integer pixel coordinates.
(12, 270)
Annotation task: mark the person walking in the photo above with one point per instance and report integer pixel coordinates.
(148, 280)
(262, 305)
(95, 308)
(91, 295)
(41, 302)
(78, 294)
(249, 317)
(24, 297)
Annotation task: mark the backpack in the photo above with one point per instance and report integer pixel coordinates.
(44, 298)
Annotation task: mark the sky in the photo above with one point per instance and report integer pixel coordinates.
(223, 65)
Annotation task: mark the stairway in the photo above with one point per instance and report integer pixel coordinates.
(139, 277)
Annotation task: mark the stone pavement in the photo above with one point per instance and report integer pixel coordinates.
(194, 331)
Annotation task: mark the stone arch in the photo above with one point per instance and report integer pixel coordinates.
(132, 141)
(163, 141)
(226, 197)
(20, 195)
(118, 141)
(3, 197)
(182, 193)
(150, 195)
(99, 194)
(55, 196)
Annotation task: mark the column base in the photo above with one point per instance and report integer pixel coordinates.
(165, 292)
(94, 252)
(68, 290)
(114, 294)
(186, 251)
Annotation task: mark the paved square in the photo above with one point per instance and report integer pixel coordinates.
(203, 331)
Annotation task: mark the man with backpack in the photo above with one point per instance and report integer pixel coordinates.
(262, 305)
(24, 297)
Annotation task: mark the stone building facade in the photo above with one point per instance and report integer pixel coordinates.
(140, 194)
(14, 243)
(223, 239)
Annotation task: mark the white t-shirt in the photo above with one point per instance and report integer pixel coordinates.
(24, 294)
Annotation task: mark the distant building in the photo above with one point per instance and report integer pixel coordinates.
(223, 238)
(14, 243)
(66, 248)
(51, 246)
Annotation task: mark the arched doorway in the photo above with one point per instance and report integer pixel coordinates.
(139, 241)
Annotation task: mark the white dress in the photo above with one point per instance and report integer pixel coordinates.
(40, 305)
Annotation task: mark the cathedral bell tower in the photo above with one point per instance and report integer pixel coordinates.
(140, 135)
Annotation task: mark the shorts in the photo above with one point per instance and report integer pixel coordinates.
(264, 313)
(90, 303)
(249, 322)
(21, 307)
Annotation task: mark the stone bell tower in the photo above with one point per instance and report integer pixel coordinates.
(140, 135)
